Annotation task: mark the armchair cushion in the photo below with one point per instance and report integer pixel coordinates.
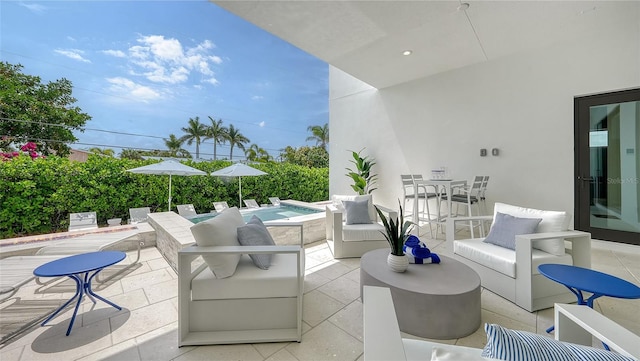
(552, 221)
(220, 230)
(254, 233)
(338, 201)
(506, 344)
(505, 228)
(357, 211)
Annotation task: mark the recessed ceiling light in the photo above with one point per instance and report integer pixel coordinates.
(407, 52)
(463, 6)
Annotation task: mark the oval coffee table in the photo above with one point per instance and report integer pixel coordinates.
(439, 301)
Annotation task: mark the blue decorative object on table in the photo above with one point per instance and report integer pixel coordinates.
(417, 252)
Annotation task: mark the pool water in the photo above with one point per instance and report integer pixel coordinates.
(270, 213)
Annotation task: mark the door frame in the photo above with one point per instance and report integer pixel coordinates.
(582, 178)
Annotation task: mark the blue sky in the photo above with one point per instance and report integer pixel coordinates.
(146, 67)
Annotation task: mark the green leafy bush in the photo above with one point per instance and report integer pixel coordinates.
(39, 194)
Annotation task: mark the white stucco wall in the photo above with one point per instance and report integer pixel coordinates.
(521, 104)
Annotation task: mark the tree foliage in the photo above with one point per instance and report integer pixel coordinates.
(313, 157)
(362, 176)
(39, 194)
(32, 111)
(235, 138)
(195, 132)
(218, 133)
(320, 134)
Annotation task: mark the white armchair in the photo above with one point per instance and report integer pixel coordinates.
(353, 240)
(576, 324)
(253, 305)
(513, 274)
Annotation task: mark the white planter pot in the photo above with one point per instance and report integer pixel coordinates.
(398, 263)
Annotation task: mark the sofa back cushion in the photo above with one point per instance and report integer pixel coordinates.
(338, 202)
(552, 221)
(505, 228)
(221, 230)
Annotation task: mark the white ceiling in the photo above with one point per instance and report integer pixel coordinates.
(366, 38)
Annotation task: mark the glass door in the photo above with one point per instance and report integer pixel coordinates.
(607, 188)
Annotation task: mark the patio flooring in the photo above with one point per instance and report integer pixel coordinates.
(146, 327)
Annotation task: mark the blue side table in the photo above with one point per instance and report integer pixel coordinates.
(579, 280)
(79, 268)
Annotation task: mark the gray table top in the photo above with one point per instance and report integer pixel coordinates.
(449, 277)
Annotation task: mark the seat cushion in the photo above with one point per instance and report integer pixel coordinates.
(254, 233)
(249, 281)
(363, 232)
(502, 259)
(552, 221)
(220, 230)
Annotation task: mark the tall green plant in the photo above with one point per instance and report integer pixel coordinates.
(396, 232)
(363, 178)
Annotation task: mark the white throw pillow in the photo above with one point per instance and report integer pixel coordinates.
(552, 221)
(357, 212)
(255, 233)
(220, 230)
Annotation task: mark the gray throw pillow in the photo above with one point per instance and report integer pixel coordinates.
(505, 228)
(255, 233)
(357, 211)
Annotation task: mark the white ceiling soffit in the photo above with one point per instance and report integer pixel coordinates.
(366, 38)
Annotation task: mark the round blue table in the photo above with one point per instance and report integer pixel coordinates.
(82, 268)
(579, 280)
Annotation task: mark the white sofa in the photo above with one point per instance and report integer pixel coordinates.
(354, 240)
(575, 324)
(513, 274)
(253, 305)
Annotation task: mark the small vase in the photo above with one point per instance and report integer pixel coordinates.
(398, 263)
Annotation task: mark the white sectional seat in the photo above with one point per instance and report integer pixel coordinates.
(507, 259)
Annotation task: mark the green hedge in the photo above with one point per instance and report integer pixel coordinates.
(38, 195)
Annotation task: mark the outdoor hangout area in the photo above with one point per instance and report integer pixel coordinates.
(160, 301)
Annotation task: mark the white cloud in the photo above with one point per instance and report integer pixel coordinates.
(36, 8)
(262, 124)
(167, 61)
(74, 54)
(116, 53)
(71, 38)
(257, 97)
(129, 89)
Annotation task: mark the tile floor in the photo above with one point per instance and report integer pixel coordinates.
(146, 328)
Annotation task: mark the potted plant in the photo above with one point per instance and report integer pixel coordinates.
(396, 232)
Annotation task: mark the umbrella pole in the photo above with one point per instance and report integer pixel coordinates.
(169, 192)
(240, 192)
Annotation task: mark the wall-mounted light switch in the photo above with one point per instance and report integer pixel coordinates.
(483, 152)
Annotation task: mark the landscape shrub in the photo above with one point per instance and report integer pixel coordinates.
(38, 195)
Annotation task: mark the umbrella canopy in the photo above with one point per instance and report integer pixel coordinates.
(238, 170)
(170, 167)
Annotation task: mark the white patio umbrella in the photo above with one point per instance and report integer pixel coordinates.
(170, 167)
(238, 170)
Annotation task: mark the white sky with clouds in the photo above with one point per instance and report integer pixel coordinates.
(146, 67)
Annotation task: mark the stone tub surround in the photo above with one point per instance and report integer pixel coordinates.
(173, 232)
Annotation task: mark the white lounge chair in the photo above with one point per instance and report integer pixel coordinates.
(275, 201)
(83, 221)
(138, 215)
(220, 206)
(251, 203)
(186, 210)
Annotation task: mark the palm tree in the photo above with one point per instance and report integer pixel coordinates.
(320, 134)
(218, 133)
(175, 147)
(255, 153)
(235, 138)
(108, 152)
(197, 132)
